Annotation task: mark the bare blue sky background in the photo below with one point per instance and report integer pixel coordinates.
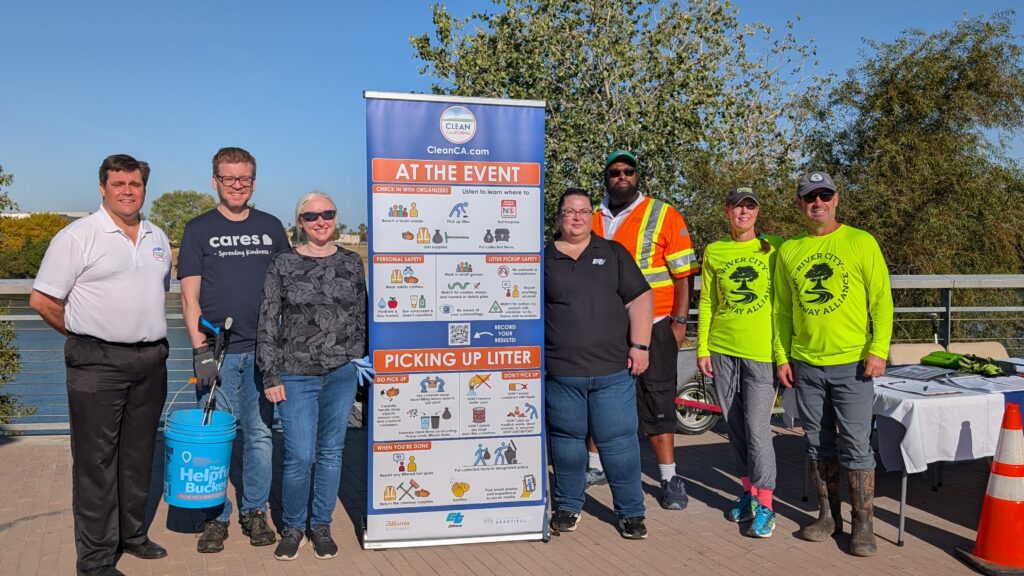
(171, 82)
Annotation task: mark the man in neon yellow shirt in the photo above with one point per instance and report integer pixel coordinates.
(833, 318)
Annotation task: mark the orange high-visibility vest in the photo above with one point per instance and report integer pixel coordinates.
(656, 235)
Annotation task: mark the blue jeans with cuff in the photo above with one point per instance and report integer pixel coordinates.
(314, 416)
(604, 407)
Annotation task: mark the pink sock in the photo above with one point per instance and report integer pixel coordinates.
(747, 486)
(764, 497)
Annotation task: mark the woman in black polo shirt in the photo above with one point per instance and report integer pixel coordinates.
(598, 309)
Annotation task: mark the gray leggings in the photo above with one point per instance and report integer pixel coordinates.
(746, 394)
(834, 398)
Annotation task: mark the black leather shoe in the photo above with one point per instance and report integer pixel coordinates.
(148, 550)
(99, 571)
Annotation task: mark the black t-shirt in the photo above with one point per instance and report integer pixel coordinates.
(586, 327)
(232, 259)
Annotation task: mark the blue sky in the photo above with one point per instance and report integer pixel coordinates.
(171, 82)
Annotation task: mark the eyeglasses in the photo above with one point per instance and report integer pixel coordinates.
(245, 181)
(825, 195)
(614, 172)
(314, 216)
(568, 213)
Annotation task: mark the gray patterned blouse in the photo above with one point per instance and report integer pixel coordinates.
(313, 315)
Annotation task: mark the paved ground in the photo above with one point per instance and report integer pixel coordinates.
(36, 526)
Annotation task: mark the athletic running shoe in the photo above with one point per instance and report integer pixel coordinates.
(291, 540)
(633, 528)
(254, 525)
(323, 545)
(673, 494)
(763, 524)
(743, 509)
(596, 477)
(212, 538)
(565, 521)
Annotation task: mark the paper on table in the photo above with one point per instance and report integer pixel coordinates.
(918, 372)
(982, 384)
(920, 388)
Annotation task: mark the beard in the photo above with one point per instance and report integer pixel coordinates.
(619, 196)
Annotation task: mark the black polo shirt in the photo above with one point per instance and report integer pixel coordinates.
(586, 328)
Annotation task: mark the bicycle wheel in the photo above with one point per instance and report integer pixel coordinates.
(694, 420)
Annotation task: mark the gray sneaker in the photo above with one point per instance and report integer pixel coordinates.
(291, 540)
(596, 477)
(673, 494)
(323, 545)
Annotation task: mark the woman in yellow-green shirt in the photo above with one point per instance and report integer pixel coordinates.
(734, 345)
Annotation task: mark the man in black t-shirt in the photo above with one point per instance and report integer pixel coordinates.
(223, 259)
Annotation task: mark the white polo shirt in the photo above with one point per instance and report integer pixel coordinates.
(113, 289)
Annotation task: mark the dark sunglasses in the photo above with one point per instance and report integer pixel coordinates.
(615, 172)
(825, 195)
(314, 216)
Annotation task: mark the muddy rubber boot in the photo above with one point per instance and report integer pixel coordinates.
(825, 477)
(862, 494)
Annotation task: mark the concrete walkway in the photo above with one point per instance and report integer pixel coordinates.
(36, 526)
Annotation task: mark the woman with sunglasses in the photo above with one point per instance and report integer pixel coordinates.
(734, 344)
(312, 326)
(597, 329)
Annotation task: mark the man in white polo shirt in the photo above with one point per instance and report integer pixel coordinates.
(102, 283)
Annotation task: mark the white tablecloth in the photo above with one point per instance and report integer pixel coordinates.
(915, 430)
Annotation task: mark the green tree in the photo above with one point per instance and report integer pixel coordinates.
(674, 83)
(362, 231)
(23, 243)
(10, 358)
(172, 210)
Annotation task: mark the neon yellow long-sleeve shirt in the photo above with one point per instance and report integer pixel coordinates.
(833, 302)
(736, 299)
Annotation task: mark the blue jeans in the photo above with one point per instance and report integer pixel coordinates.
(604, 406)
(240, 393)
(314, 416)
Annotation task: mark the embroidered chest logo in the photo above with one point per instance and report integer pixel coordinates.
(159, 255)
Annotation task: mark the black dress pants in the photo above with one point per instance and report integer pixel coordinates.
(115, 395)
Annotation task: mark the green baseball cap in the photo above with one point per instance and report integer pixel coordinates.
(621, 156)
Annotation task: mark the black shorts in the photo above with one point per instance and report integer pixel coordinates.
(656, 388)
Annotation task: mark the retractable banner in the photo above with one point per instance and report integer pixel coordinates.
(456, 200)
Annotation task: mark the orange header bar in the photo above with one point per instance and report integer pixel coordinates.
(514, 259)
(391, 379)
(407, 189)
(401, 446)
(397, 259)
(456, 172)
(461, 360)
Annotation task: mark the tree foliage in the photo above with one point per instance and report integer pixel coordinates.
(23, 243)
(912, 136)
(674, 83)
(10, 358)
(172, 210)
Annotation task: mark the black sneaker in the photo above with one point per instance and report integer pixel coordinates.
(565, 521)
(212, 538)
(291, 540)
(323, 545)
(633, 528)
(673, 494)
(254, 525)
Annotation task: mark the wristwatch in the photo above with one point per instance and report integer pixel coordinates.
(679, 319)
(643, 347)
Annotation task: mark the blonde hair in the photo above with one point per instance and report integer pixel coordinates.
(299, 233)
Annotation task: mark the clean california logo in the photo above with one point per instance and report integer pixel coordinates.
(458, 125)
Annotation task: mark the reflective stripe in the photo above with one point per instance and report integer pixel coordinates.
(681, 261)
(1010, 448)
(1004, 488)
(654, 217)
(657, 275)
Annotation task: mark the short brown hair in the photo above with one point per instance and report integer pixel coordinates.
(233, 155)
(123, 163)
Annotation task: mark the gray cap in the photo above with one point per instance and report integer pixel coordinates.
(740, 194)
(812, 181)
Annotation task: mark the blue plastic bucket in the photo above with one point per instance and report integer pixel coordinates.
(197, 458)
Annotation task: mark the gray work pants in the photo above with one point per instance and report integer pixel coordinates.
(831, 396)
(746, 394)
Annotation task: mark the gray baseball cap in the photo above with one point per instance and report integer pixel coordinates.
(740, 194)
(812, 181)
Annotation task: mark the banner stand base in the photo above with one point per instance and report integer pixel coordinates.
(386, 544)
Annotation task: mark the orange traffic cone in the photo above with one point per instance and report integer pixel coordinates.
(998, 549)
